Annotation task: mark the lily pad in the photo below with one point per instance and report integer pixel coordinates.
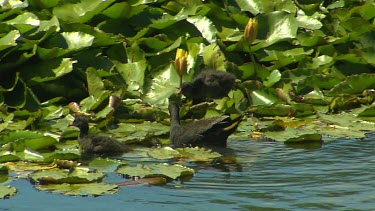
(198, 154)
(93, 189)
(163, 153)
(172, 171)
(105, 164)
(294, 135)
(7, 192)
(59, 176)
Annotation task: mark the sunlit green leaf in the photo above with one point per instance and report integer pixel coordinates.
(105, 165)
(59, 176)
(198, 154)
(82, 11)
(91, 189)
(164, 83)
(205, 26)
(77, 40)
(163, 153)
(9, 40)
(7, 192)
(25, 22)
(171, 171)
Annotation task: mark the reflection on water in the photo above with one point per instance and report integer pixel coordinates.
(268, 176)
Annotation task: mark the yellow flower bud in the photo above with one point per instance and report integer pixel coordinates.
(180, 62)
(251, 30)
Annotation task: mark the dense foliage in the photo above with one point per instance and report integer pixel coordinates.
(310, 57)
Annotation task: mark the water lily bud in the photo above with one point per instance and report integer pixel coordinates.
(180, 62)
(251, 30)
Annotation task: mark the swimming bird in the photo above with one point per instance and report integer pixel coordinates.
(96, 144)
(212, 132)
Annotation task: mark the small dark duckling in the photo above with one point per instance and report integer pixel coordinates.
(212, 132)
(211, 84)
(96, 144)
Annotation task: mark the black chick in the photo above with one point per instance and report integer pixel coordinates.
(96, 144)
(209, 84)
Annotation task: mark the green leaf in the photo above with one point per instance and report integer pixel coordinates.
(198, 154)
(81, 12)
(44, 4)
(295, 135)
(49, 70)
(77, 40)
(59, 176)
(40, 143)
(16, 135)
(151, 170)
(354, 84)
(92, 189)
(9, 39)
(133, 73)
(138, 132)
(105, 165)
(6, 156)
(25, 22)
(16, 97)
(164, 83)
(259, 6)
(7, 192)
(278, 26)
(214, 58)
(308, 22)
(163, 153)
(205, 26)
(94, 82)
(274, 77)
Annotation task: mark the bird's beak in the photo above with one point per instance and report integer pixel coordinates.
(71, 124)
(179, 92)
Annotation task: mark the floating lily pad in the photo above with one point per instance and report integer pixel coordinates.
(163, 153)
(294, 135)
(94, 189)
(7, 192)
(68, 154)
(138, 132)
(152, 170)
(59, 176)
(105, 164)
(198, 154)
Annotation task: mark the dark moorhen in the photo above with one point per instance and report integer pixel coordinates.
(96, 144)
(208, 84)
(212, 132)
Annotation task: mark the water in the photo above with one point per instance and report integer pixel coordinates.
(268, 176)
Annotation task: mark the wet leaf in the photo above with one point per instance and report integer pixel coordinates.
(138, 132)
(295, 135)
(163, 153)
(59, 176)
(91, 189)
(151, 170)
(105, 164)
(9, 40)
(6, 156)
(80, 12)
(7, 192)
(198, 154)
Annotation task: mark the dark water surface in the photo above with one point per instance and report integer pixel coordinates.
(269, 176)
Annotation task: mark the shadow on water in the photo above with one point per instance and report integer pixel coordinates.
(252, 175)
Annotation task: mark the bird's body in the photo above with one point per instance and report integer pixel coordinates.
(96, 144)
(212, 132)
(208, 84)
